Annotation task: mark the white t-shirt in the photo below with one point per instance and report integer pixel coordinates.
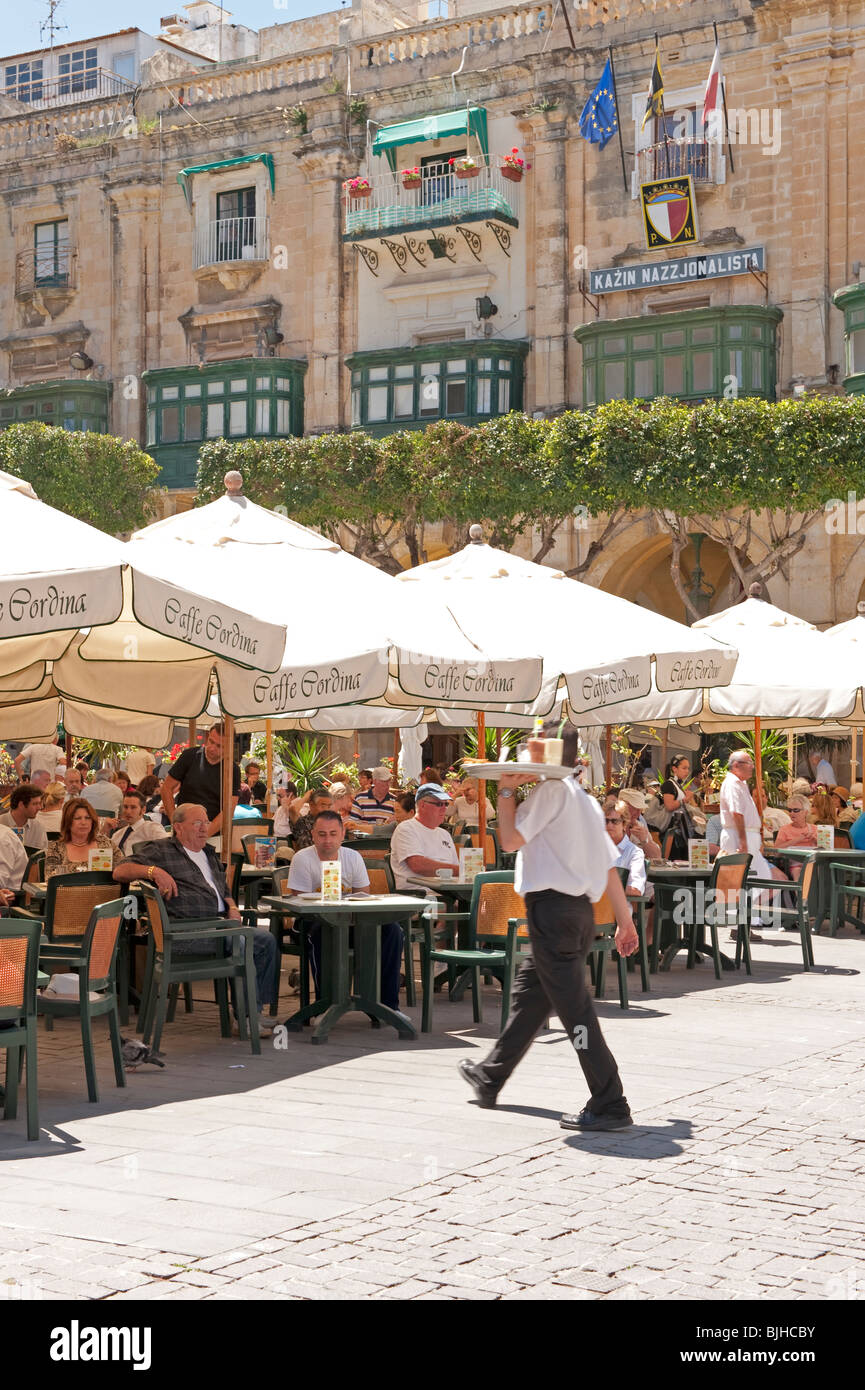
(411, 838)
(200, 858)
(138, 764)
(44, 757)
(13, 859)
(736, 799)
(305, 873)
(567, 846)
(34, 833)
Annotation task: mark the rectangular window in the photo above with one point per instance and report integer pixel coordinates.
(736, 367)
(644, 377)
(355, 406)
(151, 425)
(675, 339)
(438, 178)
(283, 416)
(856, 342)
(237, 418)
(215, 417)
(190, 390)
(238, 384)
(236, 226)
(429, 391)
(614, 381)
(77, 71)
(192, 422)
(376, 403)
(170, 424)
(262, 383)
(171, 393)
(612, 346)
(454, 367)
(643, 342)
(215, 388)
(378, 373)
(504, 394)
(484, 395)
(403, 400)
(703, 372)
(24, 80)
(262, 415)
(674, 375)
(756, 370)
(591, 395)
(51, 253)
(283, 383)
(703, 335)
(455, 397)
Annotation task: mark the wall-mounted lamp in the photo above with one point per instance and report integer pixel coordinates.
(80, 362)
(485, 308)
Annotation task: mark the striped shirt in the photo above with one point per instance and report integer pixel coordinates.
(366, 808)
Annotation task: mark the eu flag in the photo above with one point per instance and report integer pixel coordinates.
(598, 122)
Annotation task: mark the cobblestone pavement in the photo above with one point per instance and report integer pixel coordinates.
(362, 1168)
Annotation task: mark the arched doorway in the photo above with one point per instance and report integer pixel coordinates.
(642, 574)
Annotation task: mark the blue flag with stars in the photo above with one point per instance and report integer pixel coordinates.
(598, 122)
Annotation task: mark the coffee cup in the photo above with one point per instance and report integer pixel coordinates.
(444, 873)
(554, 750)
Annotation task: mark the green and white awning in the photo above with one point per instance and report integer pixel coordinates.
(471, 120)
(186, 174)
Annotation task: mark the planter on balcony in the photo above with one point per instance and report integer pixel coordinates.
(467, 173)
(508, 171)
(411, 183)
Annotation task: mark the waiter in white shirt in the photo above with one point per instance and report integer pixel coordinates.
(565, 863)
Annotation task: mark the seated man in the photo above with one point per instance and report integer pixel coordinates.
(305, 877)
(104, 795)
(13, 865)
(713, 835)
(421, 845)
(636, 828)
(134, 828)
(630, 856)
(187, 872)
(25, 803)
(375, 806)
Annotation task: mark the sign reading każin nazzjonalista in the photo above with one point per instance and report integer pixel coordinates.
(42, 603)
(701, 266)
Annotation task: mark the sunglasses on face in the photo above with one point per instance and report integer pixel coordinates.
(614, 820)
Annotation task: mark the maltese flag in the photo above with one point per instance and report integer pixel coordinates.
(712, 94)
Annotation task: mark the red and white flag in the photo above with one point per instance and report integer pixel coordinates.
(712, 94)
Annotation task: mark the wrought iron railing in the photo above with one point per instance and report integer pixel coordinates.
(37, 93)
(232, 239)
(45, 270)
(674, 158)
(437, 195)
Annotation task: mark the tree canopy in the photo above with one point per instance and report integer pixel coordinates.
(97, 478)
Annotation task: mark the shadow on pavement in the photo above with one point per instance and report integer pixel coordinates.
(643, 1141)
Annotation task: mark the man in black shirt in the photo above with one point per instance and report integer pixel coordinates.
(196, 778)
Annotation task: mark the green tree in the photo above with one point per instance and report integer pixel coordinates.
(97, 478)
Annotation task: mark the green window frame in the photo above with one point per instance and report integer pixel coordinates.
(851, 300)
(250, 398)
(51, 253)
(407, 388)
(692, 355)
(72, 405)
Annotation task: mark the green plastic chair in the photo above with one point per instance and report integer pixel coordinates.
(798, 916)
(848, 883)
(286, 944)
(604, 945)
(165, 969)
(96, 967)
(19, 964)
(496, 941)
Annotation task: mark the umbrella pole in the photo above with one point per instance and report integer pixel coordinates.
(227, 785)
(395, 777)
(482, 786)
(193, 733)
(608, 759)
(791, 759)
(499, 744)
(758, 765)
(268, 758)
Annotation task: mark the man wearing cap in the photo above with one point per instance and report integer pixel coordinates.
(636, 829)
(376, 805)
(421, 846)
(565, 863)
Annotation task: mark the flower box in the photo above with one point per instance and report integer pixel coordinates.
(468, 172)
(412, 183)
(510, 171)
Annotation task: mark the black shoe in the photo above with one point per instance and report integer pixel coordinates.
(587, 1120)
(486, 1094)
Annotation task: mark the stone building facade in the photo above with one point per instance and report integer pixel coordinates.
(181, 262)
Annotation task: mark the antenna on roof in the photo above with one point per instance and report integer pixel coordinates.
(49, 25)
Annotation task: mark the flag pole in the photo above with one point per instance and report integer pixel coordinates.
(568, 22)
(618, 122)
(724, 103)
(657, 59)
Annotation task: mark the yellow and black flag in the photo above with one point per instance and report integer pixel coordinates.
(655, 99)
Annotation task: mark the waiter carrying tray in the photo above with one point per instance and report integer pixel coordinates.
(565, 863)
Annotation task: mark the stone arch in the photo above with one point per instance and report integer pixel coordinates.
(636, 566)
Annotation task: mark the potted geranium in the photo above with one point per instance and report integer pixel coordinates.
(464, 166)
(359, 187)
(410, 178)
(513, 166)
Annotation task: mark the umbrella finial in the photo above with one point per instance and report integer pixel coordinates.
(233, 483)
(755, 590)
(860, 607)
(476, 534)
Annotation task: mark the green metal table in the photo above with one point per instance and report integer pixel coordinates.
(667, 874)
(367, 915)
(821, 887)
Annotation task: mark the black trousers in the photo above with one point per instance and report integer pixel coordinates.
(561, 930)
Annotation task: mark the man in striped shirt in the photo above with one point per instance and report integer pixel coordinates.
(376, 805)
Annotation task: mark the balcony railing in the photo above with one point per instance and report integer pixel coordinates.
(232, 239)
(672, 159)
(441, 197)
(44, 270)
(38, 94)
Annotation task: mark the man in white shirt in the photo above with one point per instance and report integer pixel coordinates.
(741, 826)
(421, 846)
(13, 865)
(565, 863)
(305, 877)
(42, 757)
(25, 803)
(134, 828)
(140, 762)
